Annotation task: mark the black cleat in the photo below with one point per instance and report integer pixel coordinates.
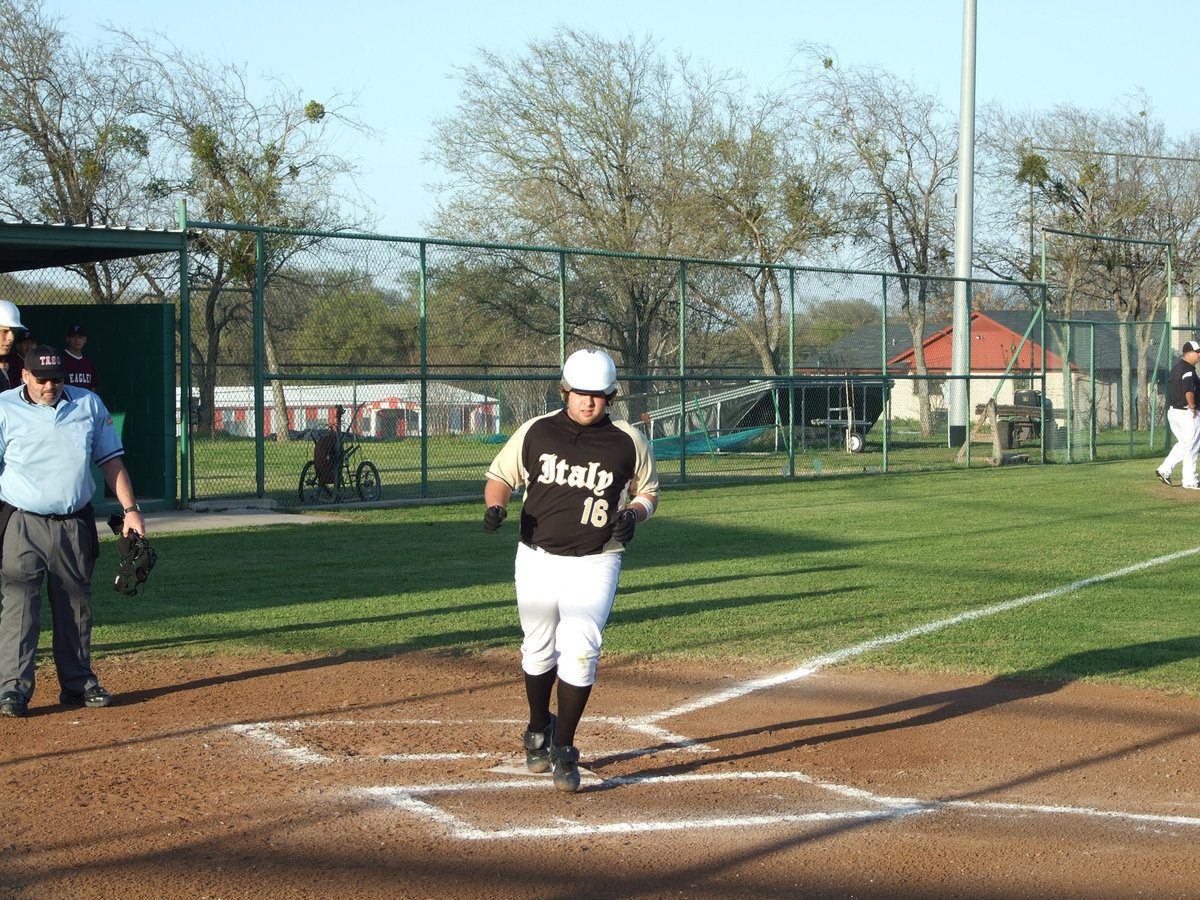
(566, 768)
(537, 747)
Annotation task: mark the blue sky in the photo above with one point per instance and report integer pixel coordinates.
(398, 55)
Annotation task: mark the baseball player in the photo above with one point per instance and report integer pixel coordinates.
(1183, 394)
(588, 480)
(81, 370)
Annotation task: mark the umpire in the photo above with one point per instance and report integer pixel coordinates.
(49, 436)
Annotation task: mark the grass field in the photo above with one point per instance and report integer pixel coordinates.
(453, 466)
(770, 573)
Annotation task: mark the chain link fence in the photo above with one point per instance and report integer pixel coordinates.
(332, 368)
(418, 359)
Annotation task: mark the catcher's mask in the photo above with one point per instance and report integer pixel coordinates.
(137, 559)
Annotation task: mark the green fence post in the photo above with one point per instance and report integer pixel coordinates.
(260, 463)
(187, 486)
(423, 325)
(883, 371)
(1092, 379)
(682, 373)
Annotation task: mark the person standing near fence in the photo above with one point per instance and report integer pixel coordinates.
(81, 371)
(589, 479)
(10, 329)
(24, 346)
(50, 434)
(1183, 396)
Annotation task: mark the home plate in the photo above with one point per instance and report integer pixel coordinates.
(517, 768)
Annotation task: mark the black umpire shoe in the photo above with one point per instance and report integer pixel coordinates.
(93, 697)
(13, 705)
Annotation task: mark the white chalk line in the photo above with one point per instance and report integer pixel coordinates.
(275, 736)
(817, 663)
(885, 808)
(881, 808)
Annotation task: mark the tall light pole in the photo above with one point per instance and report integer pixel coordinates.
(960, 347)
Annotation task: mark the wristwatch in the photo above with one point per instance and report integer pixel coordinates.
(134, 508)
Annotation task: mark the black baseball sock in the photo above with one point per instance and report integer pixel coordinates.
(571, 701)
(537, 691)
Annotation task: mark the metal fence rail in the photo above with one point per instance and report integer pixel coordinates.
(437, 350)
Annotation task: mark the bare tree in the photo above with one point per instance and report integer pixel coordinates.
(897, 152)
(238, 158)
(580, 142)
(765, 192)
(74, 148)
(1117, 177)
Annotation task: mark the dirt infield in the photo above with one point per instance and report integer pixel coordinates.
(290, 777)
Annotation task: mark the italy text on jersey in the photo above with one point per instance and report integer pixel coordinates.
(559, 471)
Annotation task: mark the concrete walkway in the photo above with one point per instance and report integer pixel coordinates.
(215, 519)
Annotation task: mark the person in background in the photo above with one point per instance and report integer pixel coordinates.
(10, 328)
(50, 434)
(1183, 396)
(81, 371)
(589, 479)
(25, 343)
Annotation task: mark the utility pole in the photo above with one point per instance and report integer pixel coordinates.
(960, 364)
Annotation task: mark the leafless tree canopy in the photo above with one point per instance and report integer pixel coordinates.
(608, 145)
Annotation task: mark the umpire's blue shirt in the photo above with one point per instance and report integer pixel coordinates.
(45, 451)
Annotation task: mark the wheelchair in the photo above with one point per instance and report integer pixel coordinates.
(336, 473)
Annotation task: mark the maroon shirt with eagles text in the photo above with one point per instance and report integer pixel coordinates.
(81, 371)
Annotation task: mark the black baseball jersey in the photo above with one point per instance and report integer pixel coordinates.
(1182, 380)
(576, 479)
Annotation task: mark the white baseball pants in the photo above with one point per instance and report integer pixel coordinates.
(563, 603)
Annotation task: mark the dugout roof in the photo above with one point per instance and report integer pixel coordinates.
(25, 246)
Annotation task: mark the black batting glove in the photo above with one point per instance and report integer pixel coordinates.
(492, 518)
(625, 524)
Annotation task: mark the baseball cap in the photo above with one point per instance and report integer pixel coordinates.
(77, 329)
(45, 362)
(1191, 347)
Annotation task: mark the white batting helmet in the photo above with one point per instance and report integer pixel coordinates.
(590, 372)
(10, 316)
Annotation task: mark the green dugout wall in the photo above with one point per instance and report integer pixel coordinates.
(133, 347)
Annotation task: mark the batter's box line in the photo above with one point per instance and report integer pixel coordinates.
(884, 809)
(274, 736)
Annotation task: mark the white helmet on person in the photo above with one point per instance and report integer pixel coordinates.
(590, 372)
(10, 316)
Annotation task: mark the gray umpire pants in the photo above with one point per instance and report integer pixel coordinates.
(58, 551)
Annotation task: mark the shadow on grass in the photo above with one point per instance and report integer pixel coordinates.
(429, 572)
